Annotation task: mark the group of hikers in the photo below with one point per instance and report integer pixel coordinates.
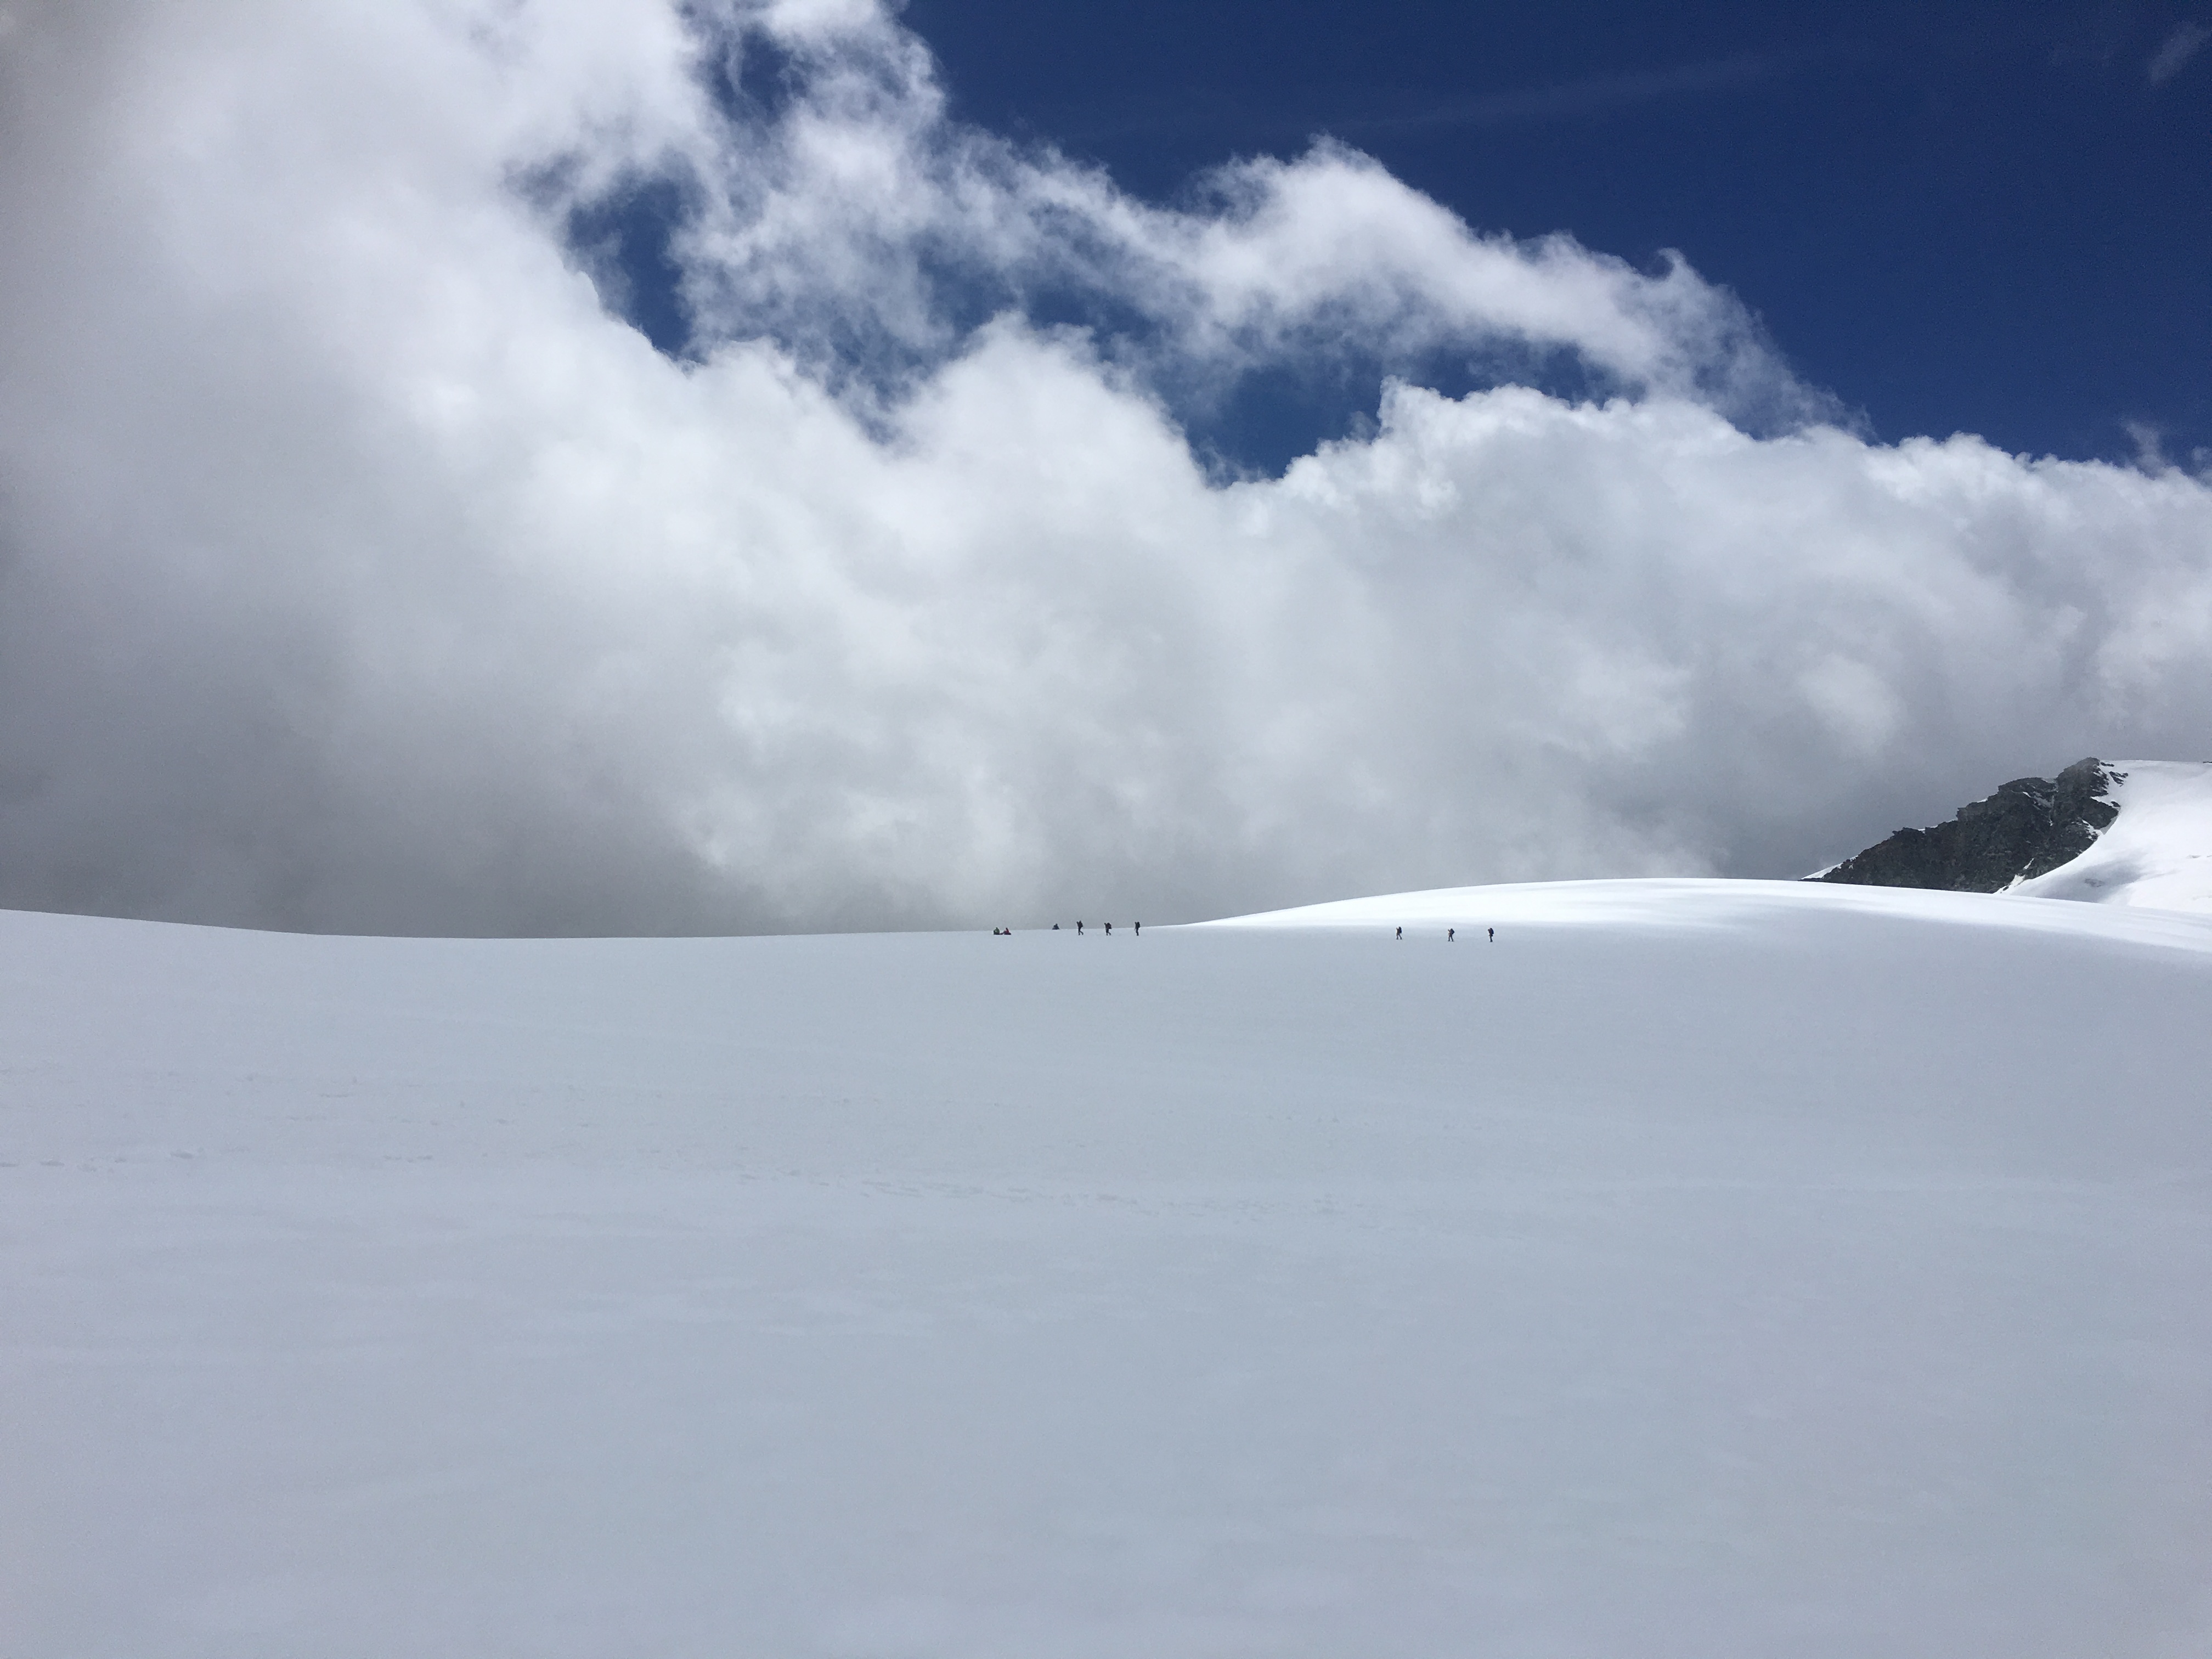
(1136, 927)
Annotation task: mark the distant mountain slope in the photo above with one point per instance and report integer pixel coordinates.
(2158, 853)
(2029, 826)
(2119, 832)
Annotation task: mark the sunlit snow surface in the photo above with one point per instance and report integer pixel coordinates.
(1702, 1269)
(2158, 853)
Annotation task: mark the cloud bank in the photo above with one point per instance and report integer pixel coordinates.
(363, 567)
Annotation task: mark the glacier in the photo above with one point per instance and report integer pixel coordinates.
(1702, 1269)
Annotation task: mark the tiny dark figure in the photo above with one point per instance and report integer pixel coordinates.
(1109, 930)
(1055, 927)
(1079, 925)
(1493, 936)
(1450, 933)
(1138, 928)
(1401, 932)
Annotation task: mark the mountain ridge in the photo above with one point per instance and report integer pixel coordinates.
(2022, 829)
(2109, 832)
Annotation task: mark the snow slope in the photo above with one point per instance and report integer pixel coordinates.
(1704, 1269)
(2158, 853)
(1694, 904)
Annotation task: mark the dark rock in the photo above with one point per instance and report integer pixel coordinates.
(2030, 826)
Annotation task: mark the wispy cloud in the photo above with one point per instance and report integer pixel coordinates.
(1379, 111)
(1593, 95)
(2186, 40)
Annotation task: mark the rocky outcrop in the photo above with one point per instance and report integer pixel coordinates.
(2030, 826)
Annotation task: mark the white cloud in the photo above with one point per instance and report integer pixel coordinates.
(2173, 54)
(357, 570)
(843, 216)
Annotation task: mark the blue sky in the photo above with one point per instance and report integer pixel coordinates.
(1987, 217)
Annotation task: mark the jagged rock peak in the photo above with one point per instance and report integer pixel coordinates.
(2028, 827)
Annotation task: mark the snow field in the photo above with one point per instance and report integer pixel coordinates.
(1704, 1269)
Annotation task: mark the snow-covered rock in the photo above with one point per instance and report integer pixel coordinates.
(2157, 853)
(1703, 1271)
(2114, 832)
(2025, 828)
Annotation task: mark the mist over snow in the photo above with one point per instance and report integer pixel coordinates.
(364, 565)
